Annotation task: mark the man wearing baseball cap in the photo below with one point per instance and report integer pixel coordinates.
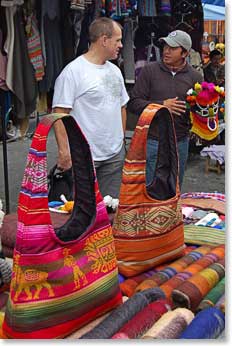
(178, 38)
(167, 82)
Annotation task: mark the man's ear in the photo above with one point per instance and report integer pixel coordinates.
(104, 39)
(185, 54)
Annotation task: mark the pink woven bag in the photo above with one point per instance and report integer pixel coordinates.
(63, 278)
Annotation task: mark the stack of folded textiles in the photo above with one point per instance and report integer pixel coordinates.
(204, 218)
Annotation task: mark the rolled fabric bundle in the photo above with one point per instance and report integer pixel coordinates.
(221, 303)
(190, 293)
(120, 336)
(129, 285)
(205, 261)
(207, 324)
(5, 272)
(170, 325)
(143, 320)
(172, 269)
(78, 333)
(123, 313)
(213, 296)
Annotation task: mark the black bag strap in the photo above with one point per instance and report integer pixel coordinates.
(34, 192)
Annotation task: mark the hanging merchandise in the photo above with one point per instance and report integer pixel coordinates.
(187, 15)
(34, 46)
(147, 8)
(203, 102)
(62, 278)
(165, 8)
(148, 226)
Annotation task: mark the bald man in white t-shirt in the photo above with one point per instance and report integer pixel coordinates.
(92, 90)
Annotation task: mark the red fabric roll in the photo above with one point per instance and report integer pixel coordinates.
(143, 320)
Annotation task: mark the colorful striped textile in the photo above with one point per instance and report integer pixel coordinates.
(207, 324)
(128, 286)
(170, 325)
(148, 225)
(62, 278)
(208, 195)
(143, 320)
(34, 47)
(201, 125)
(168, 272)
(205, 261)
(204, 203)
(213, 296)
(123, 313)
(190, 293)
(203, 235)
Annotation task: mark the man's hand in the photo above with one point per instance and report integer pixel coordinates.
(175, 106)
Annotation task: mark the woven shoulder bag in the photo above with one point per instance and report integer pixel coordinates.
(148, 226)
(62, 278)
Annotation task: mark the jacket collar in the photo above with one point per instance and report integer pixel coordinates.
(165, 68)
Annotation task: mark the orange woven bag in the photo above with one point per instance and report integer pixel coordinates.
(148, 226)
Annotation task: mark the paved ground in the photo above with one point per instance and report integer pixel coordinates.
(195, 177)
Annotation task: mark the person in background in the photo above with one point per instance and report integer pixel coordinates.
(166, 83)
(92, 90)
(214, 71)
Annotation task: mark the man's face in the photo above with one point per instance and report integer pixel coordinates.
(215, 60)
(114, 43)
(173, 55)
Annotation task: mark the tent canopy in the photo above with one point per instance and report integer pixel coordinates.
(214, 9)
(214, 2)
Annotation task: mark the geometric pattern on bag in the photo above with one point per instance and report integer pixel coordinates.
(62, 278)
(156, 220)
(148, 225)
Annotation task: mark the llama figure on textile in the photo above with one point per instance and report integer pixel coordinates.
(27, 279)
(70, 261)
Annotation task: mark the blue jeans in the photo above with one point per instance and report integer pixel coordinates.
(152, 149)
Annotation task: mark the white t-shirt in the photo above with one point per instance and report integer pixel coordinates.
(96, 94)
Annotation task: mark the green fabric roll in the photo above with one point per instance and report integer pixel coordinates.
(201, 235)
(213, 296)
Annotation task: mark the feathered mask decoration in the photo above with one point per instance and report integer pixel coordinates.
(203, 102)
